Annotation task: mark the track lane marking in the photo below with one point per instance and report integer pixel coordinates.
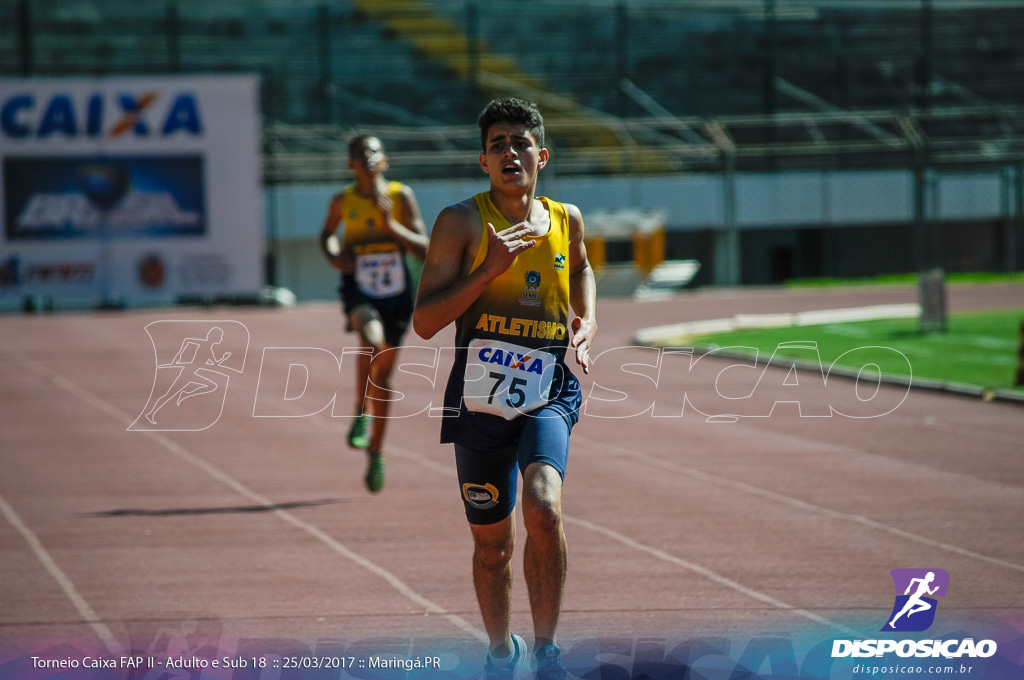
(799, 504)
(709, 574)
(664, 556)
(391, 579)
(971, 433)
(608, 533)
(447, 471)
(85, 610)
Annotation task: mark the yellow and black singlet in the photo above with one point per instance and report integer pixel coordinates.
(511, 341)
(380, 268)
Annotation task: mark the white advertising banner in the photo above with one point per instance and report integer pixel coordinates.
(130, 189)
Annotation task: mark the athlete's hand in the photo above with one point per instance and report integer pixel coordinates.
(345, 261)
(386, 206)
(503, 248)
(583, 332)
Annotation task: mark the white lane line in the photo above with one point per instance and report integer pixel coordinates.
(800, 505)
(394, 581)
(84, 609)
(662, 555)
(338, 547)
(974, 432)
(708, 574)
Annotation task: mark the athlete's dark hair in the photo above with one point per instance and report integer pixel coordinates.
(515, 111)
(358, 143)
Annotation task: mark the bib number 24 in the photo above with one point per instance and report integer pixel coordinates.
(380, 274)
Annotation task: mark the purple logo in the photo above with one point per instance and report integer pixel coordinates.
(915, 605)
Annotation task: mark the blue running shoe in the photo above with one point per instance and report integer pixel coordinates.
(549, 664)
(507, 669)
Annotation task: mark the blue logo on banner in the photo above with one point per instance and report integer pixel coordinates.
(23, 116)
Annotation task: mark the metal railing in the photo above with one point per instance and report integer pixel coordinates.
(966, 136)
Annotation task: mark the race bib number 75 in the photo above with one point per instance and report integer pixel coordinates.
(507, 380)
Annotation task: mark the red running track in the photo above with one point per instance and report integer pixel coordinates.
(260, 528)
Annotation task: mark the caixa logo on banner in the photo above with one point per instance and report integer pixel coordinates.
(147, 114)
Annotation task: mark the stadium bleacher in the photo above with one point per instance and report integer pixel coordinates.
(422, 56)
(628, 87)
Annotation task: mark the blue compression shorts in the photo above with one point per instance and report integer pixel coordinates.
(489, 477)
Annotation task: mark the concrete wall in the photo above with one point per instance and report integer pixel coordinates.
(791, 224)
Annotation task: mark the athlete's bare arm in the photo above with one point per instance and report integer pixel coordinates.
(408, 228)
(447, 287)
(342, 261)
(582, 291)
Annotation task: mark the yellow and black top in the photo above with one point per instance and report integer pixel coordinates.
(528, 304)
(513, 337)
(365, 230)
(380, 267)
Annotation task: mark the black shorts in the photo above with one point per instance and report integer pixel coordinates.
(395, 312)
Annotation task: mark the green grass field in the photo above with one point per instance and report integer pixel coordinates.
(977, 278)
(979, 349)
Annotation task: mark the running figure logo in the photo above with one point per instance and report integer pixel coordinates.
(203, 353)
(914, 610)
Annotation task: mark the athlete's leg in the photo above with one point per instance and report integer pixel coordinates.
(488, 480)
(492, 578)
(363, 363)
(543, 453)
(380, 371)
(546, 557)
(365, 320)
(378, 404)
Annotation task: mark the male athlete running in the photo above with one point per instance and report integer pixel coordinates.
(505, 265)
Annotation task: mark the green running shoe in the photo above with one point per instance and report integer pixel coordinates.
(359, 434)
(375, 471)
